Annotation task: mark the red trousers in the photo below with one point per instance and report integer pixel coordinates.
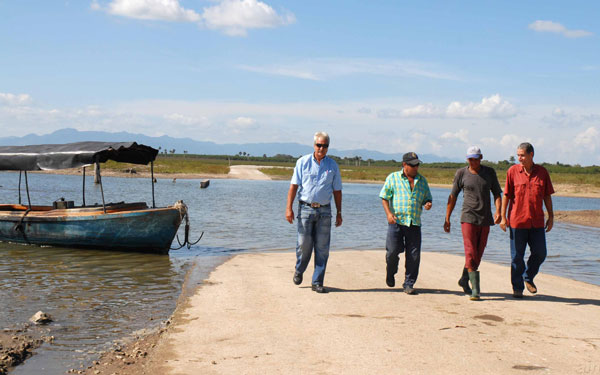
(475, 238)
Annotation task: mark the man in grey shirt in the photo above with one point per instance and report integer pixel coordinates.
(476, 181)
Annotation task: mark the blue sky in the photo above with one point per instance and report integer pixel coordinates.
(394, 76)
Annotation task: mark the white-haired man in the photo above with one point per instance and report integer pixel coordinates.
(316, 178)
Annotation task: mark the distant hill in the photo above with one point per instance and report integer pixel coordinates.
(180, 145)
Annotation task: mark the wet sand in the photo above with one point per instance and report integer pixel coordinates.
(584, 217)
(15, 347)
(249, 317)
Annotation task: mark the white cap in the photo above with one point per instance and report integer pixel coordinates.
(474, 152)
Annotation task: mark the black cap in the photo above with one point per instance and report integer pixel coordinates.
(411, 158)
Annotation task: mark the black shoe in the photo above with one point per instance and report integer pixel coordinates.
(518, 294)
(531, 287)
(297, 278)
(410, 290)
(319, 288)
(390, 281)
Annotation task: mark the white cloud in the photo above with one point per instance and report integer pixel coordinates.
(557, 28)
(492, 107)
(14, 99)
(460, 135)
(561, 117)
(321, 69)
(294, 72)
(412, 141)
(422, 110)
(164, 10)
(234, 17)
(243, 122)
(507, 140)
(179, 119)
(588, 139)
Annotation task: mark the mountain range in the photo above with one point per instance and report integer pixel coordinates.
(191, 146)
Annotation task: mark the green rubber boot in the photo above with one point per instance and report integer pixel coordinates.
(464, 281)
(474, 277)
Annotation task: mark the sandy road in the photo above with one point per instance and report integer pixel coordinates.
(247, 172)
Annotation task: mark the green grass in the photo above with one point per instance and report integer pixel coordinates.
(175, 165)
(436, 173)
(371, 174)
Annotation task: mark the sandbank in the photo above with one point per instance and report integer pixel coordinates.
(583, 217)
(249, 318)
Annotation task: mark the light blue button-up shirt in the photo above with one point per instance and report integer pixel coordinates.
(316, 182)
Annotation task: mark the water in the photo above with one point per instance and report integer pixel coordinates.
(97, 297)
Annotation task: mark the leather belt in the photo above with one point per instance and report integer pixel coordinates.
(314, 204)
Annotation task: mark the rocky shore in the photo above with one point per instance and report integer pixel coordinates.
(15, 347)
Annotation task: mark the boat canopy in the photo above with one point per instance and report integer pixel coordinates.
(72, 155)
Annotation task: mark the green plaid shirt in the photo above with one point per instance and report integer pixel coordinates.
(406, 205)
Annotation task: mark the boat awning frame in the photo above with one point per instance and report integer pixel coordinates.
(73, 155)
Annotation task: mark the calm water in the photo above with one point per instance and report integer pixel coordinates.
(97, 297)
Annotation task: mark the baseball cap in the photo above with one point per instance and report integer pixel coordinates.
(474, 152)
(411, 158)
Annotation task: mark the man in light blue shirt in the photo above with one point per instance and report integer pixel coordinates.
(316, 178)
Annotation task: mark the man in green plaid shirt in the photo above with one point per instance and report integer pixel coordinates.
(408, 192)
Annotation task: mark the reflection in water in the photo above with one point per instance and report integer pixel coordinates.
(93, 296)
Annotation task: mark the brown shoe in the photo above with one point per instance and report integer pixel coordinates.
(531, 287)
(518, 294)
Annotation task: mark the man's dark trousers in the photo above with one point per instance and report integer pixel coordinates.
(403, 239)
(519, 239)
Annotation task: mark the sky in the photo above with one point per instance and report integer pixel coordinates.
(394, 76)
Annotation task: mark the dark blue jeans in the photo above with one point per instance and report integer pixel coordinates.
(314, 232)
(519, 239)
(407, 240)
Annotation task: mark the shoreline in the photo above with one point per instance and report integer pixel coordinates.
(250, 172)
(245, 320)
(562, 190)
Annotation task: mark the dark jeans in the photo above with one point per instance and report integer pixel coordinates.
(519, 239)
(403, 239)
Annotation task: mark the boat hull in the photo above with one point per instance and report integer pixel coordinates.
(145, 230)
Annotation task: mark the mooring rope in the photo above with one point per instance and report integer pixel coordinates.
(19, 226)
(183, 212)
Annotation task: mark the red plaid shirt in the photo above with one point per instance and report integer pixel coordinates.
(526, 196)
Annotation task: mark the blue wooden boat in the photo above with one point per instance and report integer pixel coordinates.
(118, 226)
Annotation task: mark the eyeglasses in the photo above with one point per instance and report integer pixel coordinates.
(324, 145)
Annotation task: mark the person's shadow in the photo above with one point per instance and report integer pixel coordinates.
(484, 296)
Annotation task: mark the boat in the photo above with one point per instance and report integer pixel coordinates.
(117, 226)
